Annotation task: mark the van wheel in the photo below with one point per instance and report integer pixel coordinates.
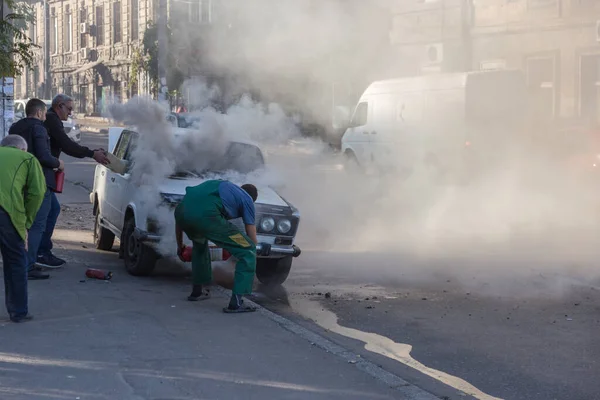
(351, 163)
(273, 271)
(140, 259)
(103, 238)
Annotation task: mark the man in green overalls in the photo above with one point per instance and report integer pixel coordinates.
(203, 215)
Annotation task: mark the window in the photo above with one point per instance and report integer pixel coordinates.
(541, 85)
(194, 11)
(68, 30)
(117, 36)
(33, 33)
(135, 22)
(100, 25)
(82, 20)
(54, 32)
(360, 115)
(589, 93)
(206, 11)
(123, 144)
(200, 11)
(541, 3)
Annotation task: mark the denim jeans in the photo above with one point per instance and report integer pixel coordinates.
(46, 243)
(37, 229)
(14, 260)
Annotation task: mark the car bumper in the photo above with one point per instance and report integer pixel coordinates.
(277, 251)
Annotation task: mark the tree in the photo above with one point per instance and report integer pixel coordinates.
(16, 47)
(146, 59)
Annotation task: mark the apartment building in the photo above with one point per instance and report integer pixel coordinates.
(555, 42)
(86, 51)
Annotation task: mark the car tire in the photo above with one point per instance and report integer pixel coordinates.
(139, 258)
(103, 238)
(351, 164)
(273, 271)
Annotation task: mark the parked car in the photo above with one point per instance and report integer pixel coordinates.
(118, 213)
(72, 129)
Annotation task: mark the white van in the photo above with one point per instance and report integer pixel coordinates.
(437, 120)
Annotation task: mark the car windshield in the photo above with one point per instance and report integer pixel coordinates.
(240, 157)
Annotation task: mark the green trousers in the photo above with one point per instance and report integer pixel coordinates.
(201, 216)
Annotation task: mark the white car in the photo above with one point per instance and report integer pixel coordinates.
(120, 213)
(72, 129)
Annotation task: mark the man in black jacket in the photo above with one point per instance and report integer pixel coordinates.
(33, 131)
(61, 109)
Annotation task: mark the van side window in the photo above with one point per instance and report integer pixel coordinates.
(360, 115)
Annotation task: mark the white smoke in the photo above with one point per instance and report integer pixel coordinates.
(158, 154)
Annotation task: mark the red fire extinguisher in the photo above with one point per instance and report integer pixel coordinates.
(60, 181)
(186, 254)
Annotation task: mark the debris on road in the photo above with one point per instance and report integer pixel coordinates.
(327, 295)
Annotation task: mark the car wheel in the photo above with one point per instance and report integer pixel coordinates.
(140, 259)
(273, 271)
(103, 238)
(351, 164)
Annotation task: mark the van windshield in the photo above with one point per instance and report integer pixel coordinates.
(497, 98)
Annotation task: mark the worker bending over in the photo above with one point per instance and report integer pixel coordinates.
(203, 215)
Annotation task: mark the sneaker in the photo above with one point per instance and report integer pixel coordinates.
(36, 275)
(26, 318)
(50, 261)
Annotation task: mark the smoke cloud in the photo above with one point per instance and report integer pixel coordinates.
(525, 216)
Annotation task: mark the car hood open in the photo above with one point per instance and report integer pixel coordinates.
(266, 195)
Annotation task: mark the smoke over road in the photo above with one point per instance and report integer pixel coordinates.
(522, 218)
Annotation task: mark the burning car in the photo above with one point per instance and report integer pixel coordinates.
(119, 212)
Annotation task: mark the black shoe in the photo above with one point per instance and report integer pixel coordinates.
(50, 261)
(198, 294)
(236, 305)
(26, 318)
(36, 275)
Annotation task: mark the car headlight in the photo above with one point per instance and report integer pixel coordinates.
(267, 224)
(284, 225)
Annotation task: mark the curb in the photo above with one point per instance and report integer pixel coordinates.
(408, 390)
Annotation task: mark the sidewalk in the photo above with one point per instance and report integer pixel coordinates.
(137, 338)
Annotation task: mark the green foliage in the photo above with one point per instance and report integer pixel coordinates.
(149, 54)
(16, 47)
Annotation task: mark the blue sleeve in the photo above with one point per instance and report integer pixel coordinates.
(248, 214)
(42, 148)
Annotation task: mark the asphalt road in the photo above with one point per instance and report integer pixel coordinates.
(537, 346)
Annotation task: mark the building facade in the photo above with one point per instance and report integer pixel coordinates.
(555, 42)
(86, 51)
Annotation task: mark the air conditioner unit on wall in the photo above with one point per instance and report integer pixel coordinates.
(85, 54)
(83, 27)
(434, 54)
(598, 30)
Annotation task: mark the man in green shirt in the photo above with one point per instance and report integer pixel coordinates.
(22, 188)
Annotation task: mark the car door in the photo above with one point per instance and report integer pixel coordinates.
(400, 139)
(121, 183)
(112, 192)
(358, 135)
